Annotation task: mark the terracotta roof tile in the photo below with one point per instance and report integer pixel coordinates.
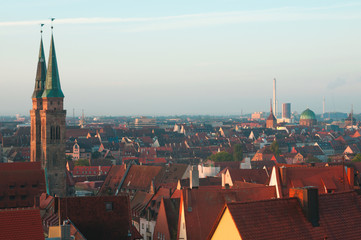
(21, 224)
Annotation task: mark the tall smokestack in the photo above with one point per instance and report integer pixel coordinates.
(323, 106)
(274, 98)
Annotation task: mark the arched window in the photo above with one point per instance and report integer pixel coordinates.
(52, 133)
(57, 132)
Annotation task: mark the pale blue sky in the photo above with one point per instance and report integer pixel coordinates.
(185, 57)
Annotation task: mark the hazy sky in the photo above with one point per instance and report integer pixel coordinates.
(184, 57)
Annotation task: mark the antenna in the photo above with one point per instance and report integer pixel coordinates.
(351, 116)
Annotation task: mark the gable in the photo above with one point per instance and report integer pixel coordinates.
(226, 228)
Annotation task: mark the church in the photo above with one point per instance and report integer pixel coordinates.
(47, 144)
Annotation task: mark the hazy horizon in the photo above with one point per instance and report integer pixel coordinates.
(189, 58)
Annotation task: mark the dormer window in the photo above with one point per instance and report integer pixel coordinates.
(109, 206)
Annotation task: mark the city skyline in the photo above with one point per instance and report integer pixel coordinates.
(217, 60)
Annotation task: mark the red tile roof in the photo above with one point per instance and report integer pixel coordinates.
(18, 224)
(332, 178)
(20, 183)
(249, 175)
(112, 180)
(339, 218)
(206, 203)
(139, 177)
(94, 221)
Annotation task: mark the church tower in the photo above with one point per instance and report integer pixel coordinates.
(35, 136)
(271, 121)
(48, 123)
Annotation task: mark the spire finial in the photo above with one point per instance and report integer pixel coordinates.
(270, 103)
(41, 28)
(52, 20)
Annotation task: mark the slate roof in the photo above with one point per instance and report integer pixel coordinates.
(18, 224)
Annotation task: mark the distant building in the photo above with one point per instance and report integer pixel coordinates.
(308, 118)
(257, 115)
(286, 110)
(271, 121)
(144, 122)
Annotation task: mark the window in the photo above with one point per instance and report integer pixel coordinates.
(12, 186)
(23, 197)
(11, 197)
(22, 186)
(57, 134)
(109, 206)
(142, 225)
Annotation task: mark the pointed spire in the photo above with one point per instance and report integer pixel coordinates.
(52, 83)
(40, 72)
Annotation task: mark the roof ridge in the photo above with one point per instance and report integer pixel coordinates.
(264, 200)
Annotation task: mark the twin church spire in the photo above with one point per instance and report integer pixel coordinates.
(48, 123)
(47, 81)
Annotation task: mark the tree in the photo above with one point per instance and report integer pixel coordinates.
(82, 162)
(357, 158)
(312, 159)
(237, 152)
(275, 148)
(221, 157)
(96, 154)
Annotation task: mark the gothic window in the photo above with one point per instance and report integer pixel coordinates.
(57, 132)
(52, 133)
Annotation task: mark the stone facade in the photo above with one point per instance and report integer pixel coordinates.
(48, 124)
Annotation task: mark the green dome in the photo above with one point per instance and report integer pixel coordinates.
(308, 114)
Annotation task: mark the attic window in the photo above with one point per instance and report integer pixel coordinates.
(109, 206)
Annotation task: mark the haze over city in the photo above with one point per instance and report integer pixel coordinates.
(167, 58)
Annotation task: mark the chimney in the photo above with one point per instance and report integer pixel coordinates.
(283, 173)
(223, 180)
(65, 232)
(351, 176)
(152, 188)
(308, 197)
(193, 177)
(188, 199)
(36, 201)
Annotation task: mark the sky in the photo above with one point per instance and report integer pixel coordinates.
(203, 57)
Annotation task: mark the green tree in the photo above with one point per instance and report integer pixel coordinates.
(275, 148)
(81, 162)
(96, 154)
(237, 152)
(312, 159)
(221, 157)
(357, 158)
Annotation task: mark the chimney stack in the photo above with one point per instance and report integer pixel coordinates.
(274, 98)
(308, 197)
(283, 173)
(194, 177)
(351, 176)
(223, 180)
